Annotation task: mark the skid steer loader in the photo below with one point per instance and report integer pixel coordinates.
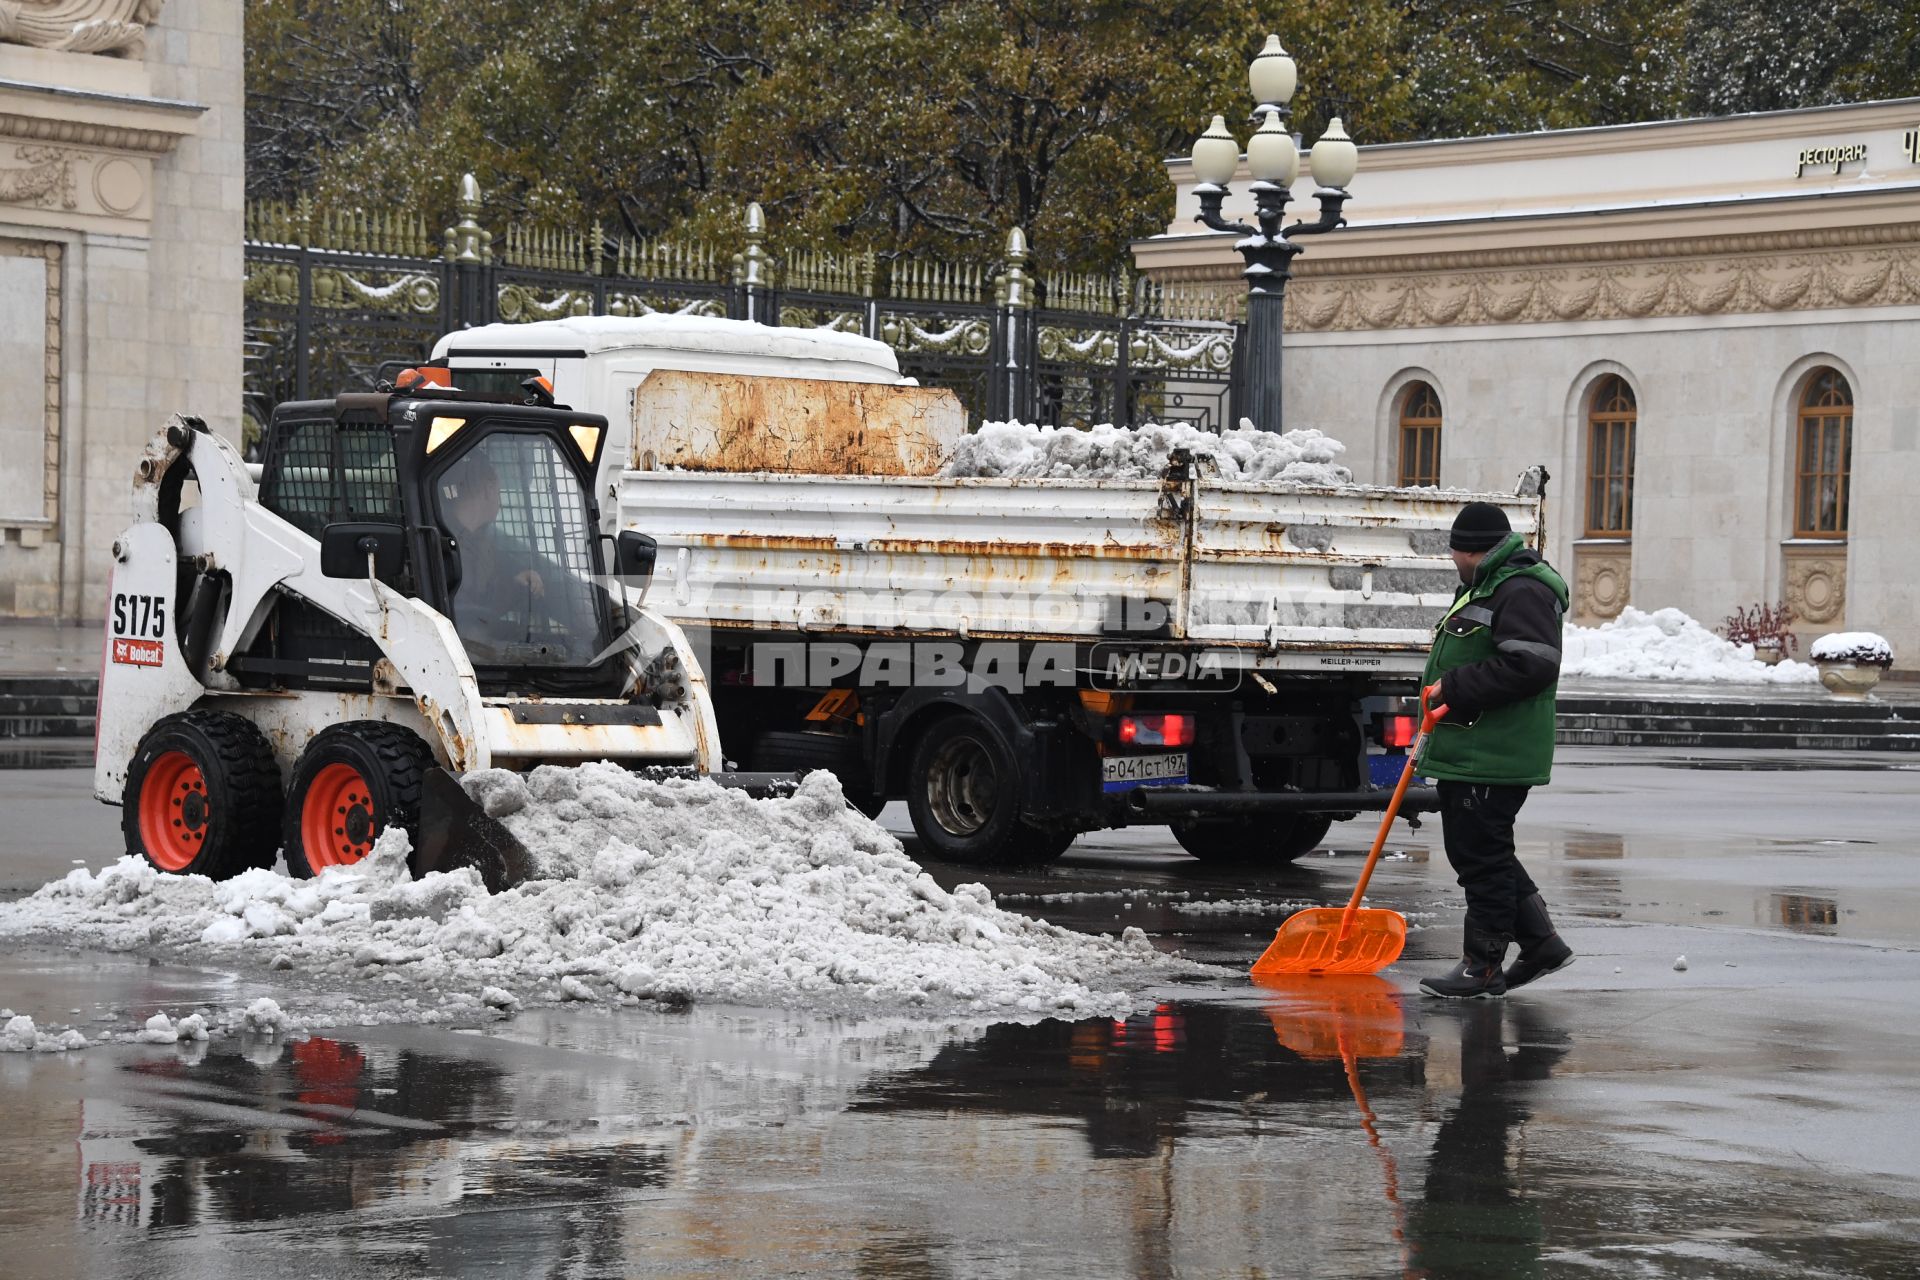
(415, 588)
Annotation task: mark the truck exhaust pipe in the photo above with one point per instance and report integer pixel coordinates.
(1172, 803)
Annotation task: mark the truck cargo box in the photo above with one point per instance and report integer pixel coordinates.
(1283, 577)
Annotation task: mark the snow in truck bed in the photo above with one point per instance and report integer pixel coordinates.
(1020, 451)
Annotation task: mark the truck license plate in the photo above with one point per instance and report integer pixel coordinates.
(1124, 773)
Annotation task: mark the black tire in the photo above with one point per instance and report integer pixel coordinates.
(1045, 845)
(965, 792)
(214, 808)
(1247, 842)
(787, 751)
(391, 766)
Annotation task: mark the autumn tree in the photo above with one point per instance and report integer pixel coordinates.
(932, 126)
(1765, 55)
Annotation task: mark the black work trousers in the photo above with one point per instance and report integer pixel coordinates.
(1476, 819)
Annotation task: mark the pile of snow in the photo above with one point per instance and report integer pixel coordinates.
(1668, 645)
(258, 1022)
(671, 890)
(161, 1029)
(1239, 906)
(20, 1035)
(1018, 451)
(1853, 646)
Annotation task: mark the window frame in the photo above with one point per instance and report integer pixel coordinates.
(1603, 424)
(474, 439)
(1418, 431)
(1830, 415)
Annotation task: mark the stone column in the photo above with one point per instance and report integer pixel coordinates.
(121, 189)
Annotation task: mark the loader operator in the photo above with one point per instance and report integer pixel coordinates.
(1494, 666)
(512, 604)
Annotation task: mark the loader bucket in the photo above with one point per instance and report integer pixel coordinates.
(456, 832)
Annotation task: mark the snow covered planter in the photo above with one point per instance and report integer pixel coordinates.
(1851, 662)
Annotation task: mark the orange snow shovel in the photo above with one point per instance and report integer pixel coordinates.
(1332, 940)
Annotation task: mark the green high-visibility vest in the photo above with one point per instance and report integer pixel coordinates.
(1506, 746)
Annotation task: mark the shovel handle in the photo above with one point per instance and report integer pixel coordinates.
(1429, 718)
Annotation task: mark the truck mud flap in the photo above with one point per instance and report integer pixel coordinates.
(456, 832)
(1175, 802)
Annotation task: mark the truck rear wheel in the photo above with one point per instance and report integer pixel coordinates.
(964, 793)
(1251, 841)
(353, 782)
(202, 796)
(787, 751)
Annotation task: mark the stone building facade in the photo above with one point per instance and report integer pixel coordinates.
(121, 190)
(1702, 327)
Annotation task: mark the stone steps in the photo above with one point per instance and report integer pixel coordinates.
(60, 709)
(1834, 724)
(35, 707)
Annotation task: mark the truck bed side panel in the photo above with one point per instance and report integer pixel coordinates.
(1286, 577)
(1349, 568)
(900, 555)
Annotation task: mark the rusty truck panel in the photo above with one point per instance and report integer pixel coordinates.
(736, 423)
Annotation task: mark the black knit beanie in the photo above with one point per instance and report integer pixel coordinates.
(1480, 526)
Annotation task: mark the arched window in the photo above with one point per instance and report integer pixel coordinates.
(1824, 457)
(1419, 435)
(1610, 423)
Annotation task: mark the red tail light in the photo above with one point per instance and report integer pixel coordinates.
(1398, 731)
(1157, 731)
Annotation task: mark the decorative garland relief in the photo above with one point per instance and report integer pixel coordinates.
(1800, 281)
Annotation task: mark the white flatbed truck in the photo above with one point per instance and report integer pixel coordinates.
(1019, 660)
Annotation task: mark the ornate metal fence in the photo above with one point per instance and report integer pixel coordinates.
(333, 298)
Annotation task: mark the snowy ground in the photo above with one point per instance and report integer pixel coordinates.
(1747, 1115)
(668, 892)
(1668, 645)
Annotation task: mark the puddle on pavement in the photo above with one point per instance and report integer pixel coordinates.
(1330, 1127)
(1858, 762)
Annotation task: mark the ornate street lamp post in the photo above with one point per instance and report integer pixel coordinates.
(1274, 161)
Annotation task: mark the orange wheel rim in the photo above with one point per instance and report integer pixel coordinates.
(176, 816)
(337, 825)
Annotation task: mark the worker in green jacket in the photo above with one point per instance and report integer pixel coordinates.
(1494, 666)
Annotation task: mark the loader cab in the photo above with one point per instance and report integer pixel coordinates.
(480, 504)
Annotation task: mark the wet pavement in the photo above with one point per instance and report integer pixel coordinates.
(1752, 1115)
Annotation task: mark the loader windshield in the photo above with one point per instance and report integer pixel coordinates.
(521, 568)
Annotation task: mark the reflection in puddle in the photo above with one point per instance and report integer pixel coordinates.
(1322, 1126)
(1855, 762)
(29, 753)
(1349, 1017)
(1595, 847)
(1805, 913)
